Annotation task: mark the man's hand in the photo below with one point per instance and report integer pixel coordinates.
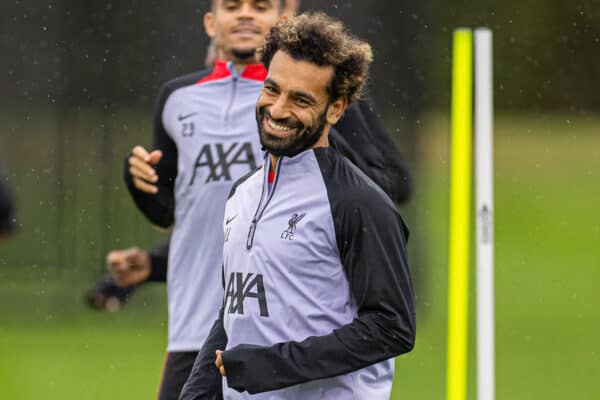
(219, 362)
(141, 168)
(128, 267)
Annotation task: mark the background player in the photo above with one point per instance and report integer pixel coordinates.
(204, 139)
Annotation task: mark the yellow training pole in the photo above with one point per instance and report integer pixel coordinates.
(460, 208)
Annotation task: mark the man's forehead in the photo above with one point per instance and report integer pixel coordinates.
(299, 75)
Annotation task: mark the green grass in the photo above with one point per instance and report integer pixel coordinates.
(547, 233)
(53, 347)
(547, 269)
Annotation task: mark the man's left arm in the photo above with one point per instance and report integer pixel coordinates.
(372, 245)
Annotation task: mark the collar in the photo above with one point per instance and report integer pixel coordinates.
(224, 69)
(293, 164)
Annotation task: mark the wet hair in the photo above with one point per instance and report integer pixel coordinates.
(324, 41)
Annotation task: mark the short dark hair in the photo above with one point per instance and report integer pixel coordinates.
(324, 41)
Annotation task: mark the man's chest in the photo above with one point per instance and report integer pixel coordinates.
(283, 231)
(282, 257)
(217, 159)
(216, 142)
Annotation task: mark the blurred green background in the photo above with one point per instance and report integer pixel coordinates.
(79, 81)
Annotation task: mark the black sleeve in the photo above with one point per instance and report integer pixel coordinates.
(205, 381)
(158, 208)
(363, 139)
(159, 256)
(372, 243)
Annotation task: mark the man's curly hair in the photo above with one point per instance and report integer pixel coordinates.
(324, 41)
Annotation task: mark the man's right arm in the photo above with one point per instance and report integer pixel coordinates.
(157, 207)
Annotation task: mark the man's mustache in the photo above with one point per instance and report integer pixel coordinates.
(245, 26)
(291, 122)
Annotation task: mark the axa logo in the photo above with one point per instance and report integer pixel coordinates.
(215, 160)
(244, 286)
(289, 233)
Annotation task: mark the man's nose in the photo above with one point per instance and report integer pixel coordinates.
(279, 109)
(246, 10)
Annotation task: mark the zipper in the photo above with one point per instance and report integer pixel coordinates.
(261, 208)
(231, 98)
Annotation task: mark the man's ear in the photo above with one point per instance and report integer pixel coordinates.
(336, 110)
(209, 24)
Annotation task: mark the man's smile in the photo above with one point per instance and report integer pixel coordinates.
(277, 128)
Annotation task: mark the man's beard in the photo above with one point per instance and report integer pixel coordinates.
(243, 54)
(302, 138)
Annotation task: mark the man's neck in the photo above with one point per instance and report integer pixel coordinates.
(241, 63)
(239, 67)
(273, 162)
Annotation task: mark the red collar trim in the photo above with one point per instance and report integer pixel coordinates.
(255, 72)
(220, 71)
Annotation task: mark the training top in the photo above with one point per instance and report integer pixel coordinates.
(208, 134)
(318, 297)
(361, 137)
(205, 126)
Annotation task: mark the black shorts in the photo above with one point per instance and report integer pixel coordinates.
(178, 366)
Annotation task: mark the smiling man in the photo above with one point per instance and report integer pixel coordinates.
(318, 297)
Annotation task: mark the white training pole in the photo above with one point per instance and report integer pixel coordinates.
(485, 216)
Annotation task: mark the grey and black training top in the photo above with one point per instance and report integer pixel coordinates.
(205, 126)
(207, 132)
(318, 297)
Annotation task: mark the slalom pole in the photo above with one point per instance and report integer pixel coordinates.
(484, 178)
(460, 207)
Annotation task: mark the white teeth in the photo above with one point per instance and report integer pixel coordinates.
(274, 125)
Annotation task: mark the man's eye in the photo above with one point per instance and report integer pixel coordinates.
(302, 102)
(261, 6)
(269, 89)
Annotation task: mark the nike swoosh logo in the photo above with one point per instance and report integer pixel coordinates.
(228, 220)
(182, 117)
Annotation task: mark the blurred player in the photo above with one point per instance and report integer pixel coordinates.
(204, 139)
